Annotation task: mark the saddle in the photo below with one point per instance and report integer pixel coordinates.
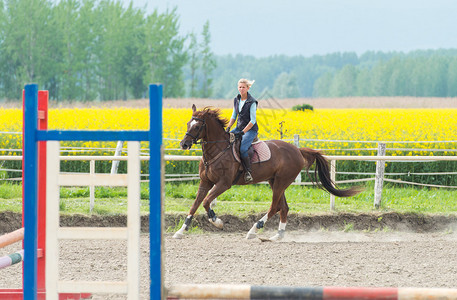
(258, 152)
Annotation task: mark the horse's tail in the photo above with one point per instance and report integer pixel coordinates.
(323, 171)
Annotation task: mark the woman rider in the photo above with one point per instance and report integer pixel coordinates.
(245, 108)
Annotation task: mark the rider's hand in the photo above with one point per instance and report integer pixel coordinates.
(227, 129)
(239, 134)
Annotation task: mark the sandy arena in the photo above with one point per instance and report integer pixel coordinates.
(303, 258)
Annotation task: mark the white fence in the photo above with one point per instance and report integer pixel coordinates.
(379, 175)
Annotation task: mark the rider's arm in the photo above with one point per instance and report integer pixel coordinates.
(232, 119)
(231, 122)
(253, 113)
(248, 127)
(234, 114)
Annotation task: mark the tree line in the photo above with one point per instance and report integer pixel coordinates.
(95, 49)
(433, 75)
(86, 50)
(420, 73)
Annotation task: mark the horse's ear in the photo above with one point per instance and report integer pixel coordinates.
(194, 108)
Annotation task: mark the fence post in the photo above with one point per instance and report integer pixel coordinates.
(115, 164)
(379, 179)
(332, 178)
(297, 143)
(92, 187)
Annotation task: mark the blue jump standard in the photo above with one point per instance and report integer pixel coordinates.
(92, 135)
(30, 168)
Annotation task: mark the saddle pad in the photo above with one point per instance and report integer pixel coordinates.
(260, 153)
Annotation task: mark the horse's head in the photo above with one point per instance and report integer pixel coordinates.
(195, 129)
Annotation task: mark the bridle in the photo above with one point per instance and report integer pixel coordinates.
(195, 137)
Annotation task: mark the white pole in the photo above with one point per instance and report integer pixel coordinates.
(52, 218)
(133, 220)
(92, 187)
(379, 179)
(115, 164)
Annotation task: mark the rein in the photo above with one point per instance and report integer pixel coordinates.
(203, 142)
(230, 141)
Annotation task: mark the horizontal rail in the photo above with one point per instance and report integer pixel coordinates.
(198, 158)
(92, 135)
(11, 237)
(344, 157)
(103, 287)
(92, 233)
(244, 291)
(11, 259)
(93, 179)
(107, 149)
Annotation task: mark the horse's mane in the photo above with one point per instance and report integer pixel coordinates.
(213, 113)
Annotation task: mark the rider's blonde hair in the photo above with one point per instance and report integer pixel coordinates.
(248, 82)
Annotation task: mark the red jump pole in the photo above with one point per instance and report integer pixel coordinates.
(13, 294)
(41, 238)
(43, 97)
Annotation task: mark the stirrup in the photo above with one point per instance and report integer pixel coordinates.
(248, 177)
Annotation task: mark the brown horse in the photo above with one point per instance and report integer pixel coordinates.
(219, 169)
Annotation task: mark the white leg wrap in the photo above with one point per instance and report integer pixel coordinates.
(281, 231)
(180, 233)
(253, 231)
(264, 218)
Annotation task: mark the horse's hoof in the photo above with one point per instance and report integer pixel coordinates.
(251, 236)
(276, 237)
(178, 235)
(218, 223)
(279, 236)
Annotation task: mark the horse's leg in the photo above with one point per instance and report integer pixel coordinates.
(252, 233)
(203, 189)
(278, 203)
(283, 211)
(281, 183)
(217, 189)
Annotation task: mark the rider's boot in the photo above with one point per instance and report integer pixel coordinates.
(247, 167)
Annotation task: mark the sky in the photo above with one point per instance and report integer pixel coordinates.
(303, 27)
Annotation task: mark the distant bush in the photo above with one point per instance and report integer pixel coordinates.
(303, 107)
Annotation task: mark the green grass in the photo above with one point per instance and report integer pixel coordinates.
(245, 200)
(348, 227)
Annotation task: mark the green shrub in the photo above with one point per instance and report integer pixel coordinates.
(303, 107)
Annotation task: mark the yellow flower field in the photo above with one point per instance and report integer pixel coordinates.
(349, 126)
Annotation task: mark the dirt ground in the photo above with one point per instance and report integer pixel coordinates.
(347, 102)
(419, 251)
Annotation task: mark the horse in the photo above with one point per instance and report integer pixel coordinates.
(219, 169)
